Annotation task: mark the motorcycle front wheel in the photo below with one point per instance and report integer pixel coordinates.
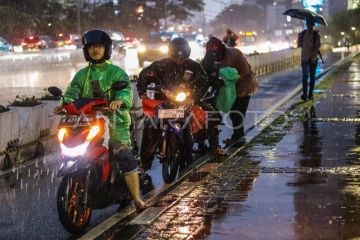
(170, 165)
(72, 214)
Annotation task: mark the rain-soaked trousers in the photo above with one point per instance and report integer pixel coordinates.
(151, 139)
(152, 135)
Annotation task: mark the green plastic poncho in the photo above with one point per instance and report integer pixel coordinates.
(227, 94)
(106, 74)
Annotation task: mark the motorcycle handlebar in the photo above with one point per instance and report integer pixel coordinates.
(101, 109)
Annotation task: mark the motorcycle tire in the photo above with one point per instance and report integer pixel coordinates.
(69, 196)
(170, 165)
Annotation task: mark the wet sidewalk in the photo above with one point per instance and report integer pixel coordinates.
(299, 179)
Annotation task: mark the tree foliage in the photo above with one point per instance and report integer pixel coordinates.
(52, 16)
(344, 22)
(239, 18)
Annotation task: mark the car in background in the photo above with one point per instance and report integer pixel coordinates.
(118, 41)
(68, 41)
(132, 42)
(47, 41)
(5, 47)
(195, 39)
(154, 47)
(36, 42)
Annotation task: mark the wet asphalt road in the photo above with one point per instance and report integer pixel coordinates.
(28, 194)
(307, 205)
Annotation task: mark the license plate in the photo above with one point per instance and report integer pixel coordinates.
(79, 121)
(171, 113)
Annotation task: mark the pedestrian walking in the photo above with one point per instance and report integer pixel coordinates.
(230, 38)
(219, 56)
(309, 41)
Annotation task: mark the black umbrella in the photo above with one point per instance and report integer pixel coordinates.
(306, 14)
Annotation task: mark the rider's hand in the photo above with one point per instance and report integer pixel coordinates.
(115, 105)
(57, 109)
(144, 96)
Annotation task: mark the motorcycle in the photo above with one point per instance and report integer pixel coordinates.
(90, 180)
(172, 116)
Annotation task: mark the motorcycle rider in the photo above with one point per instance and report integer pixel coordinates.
(168, 72)
(92, 81)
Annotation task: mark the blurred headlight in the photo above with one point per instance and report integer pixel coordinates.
(61, 134)
(94, 130)
(164, 49)
(141, 49)
(180, 97)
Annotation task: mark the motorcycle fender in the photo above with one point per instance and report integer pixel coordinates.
(71, 167)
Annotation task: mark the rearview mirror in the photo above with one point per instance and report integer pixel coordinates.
(55, 91)
(117, 86)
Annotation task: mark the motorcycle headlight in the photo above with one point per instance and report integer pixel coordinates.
(94, 130)
(75, 151)
(180, 97)
(141, 49)
(61, 134)
(164, 49)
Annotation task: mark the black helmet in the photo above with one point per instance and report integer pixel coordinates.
(96, 37)
(179, 49)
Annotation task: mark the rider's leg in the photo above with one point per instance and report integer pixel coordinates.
(132, 181)
(188, 143)
(213, 120)
(128, 165)
(237, 116)
(149, 144)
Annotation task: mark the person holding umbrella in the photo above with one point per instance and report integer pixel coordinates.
(309, 41)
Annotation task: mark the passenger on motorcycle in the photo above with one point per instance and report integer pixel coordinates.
(169, 72)
(92, 82)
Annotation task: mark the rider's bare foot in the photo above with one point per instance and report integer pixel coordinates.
(140, 206)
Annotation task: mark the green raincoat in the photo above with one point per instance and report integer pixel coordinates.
(227, 94)
(106, 74)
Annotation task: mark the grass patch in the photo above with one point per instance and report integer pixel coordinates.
(25, 101)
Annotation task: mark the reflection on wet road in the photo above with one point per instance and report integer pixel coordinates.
(314, 205)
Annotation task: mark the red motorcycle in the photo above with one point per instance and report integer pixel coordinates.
(90, 180)
(172, 116)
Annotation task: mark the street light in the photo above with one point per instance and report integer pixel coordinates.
(353, 28)
(140, 9)
(342, 33)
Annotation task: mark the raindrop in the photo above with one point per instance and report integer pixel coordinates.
(29, 173)
(21, 183)
(52, 177)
